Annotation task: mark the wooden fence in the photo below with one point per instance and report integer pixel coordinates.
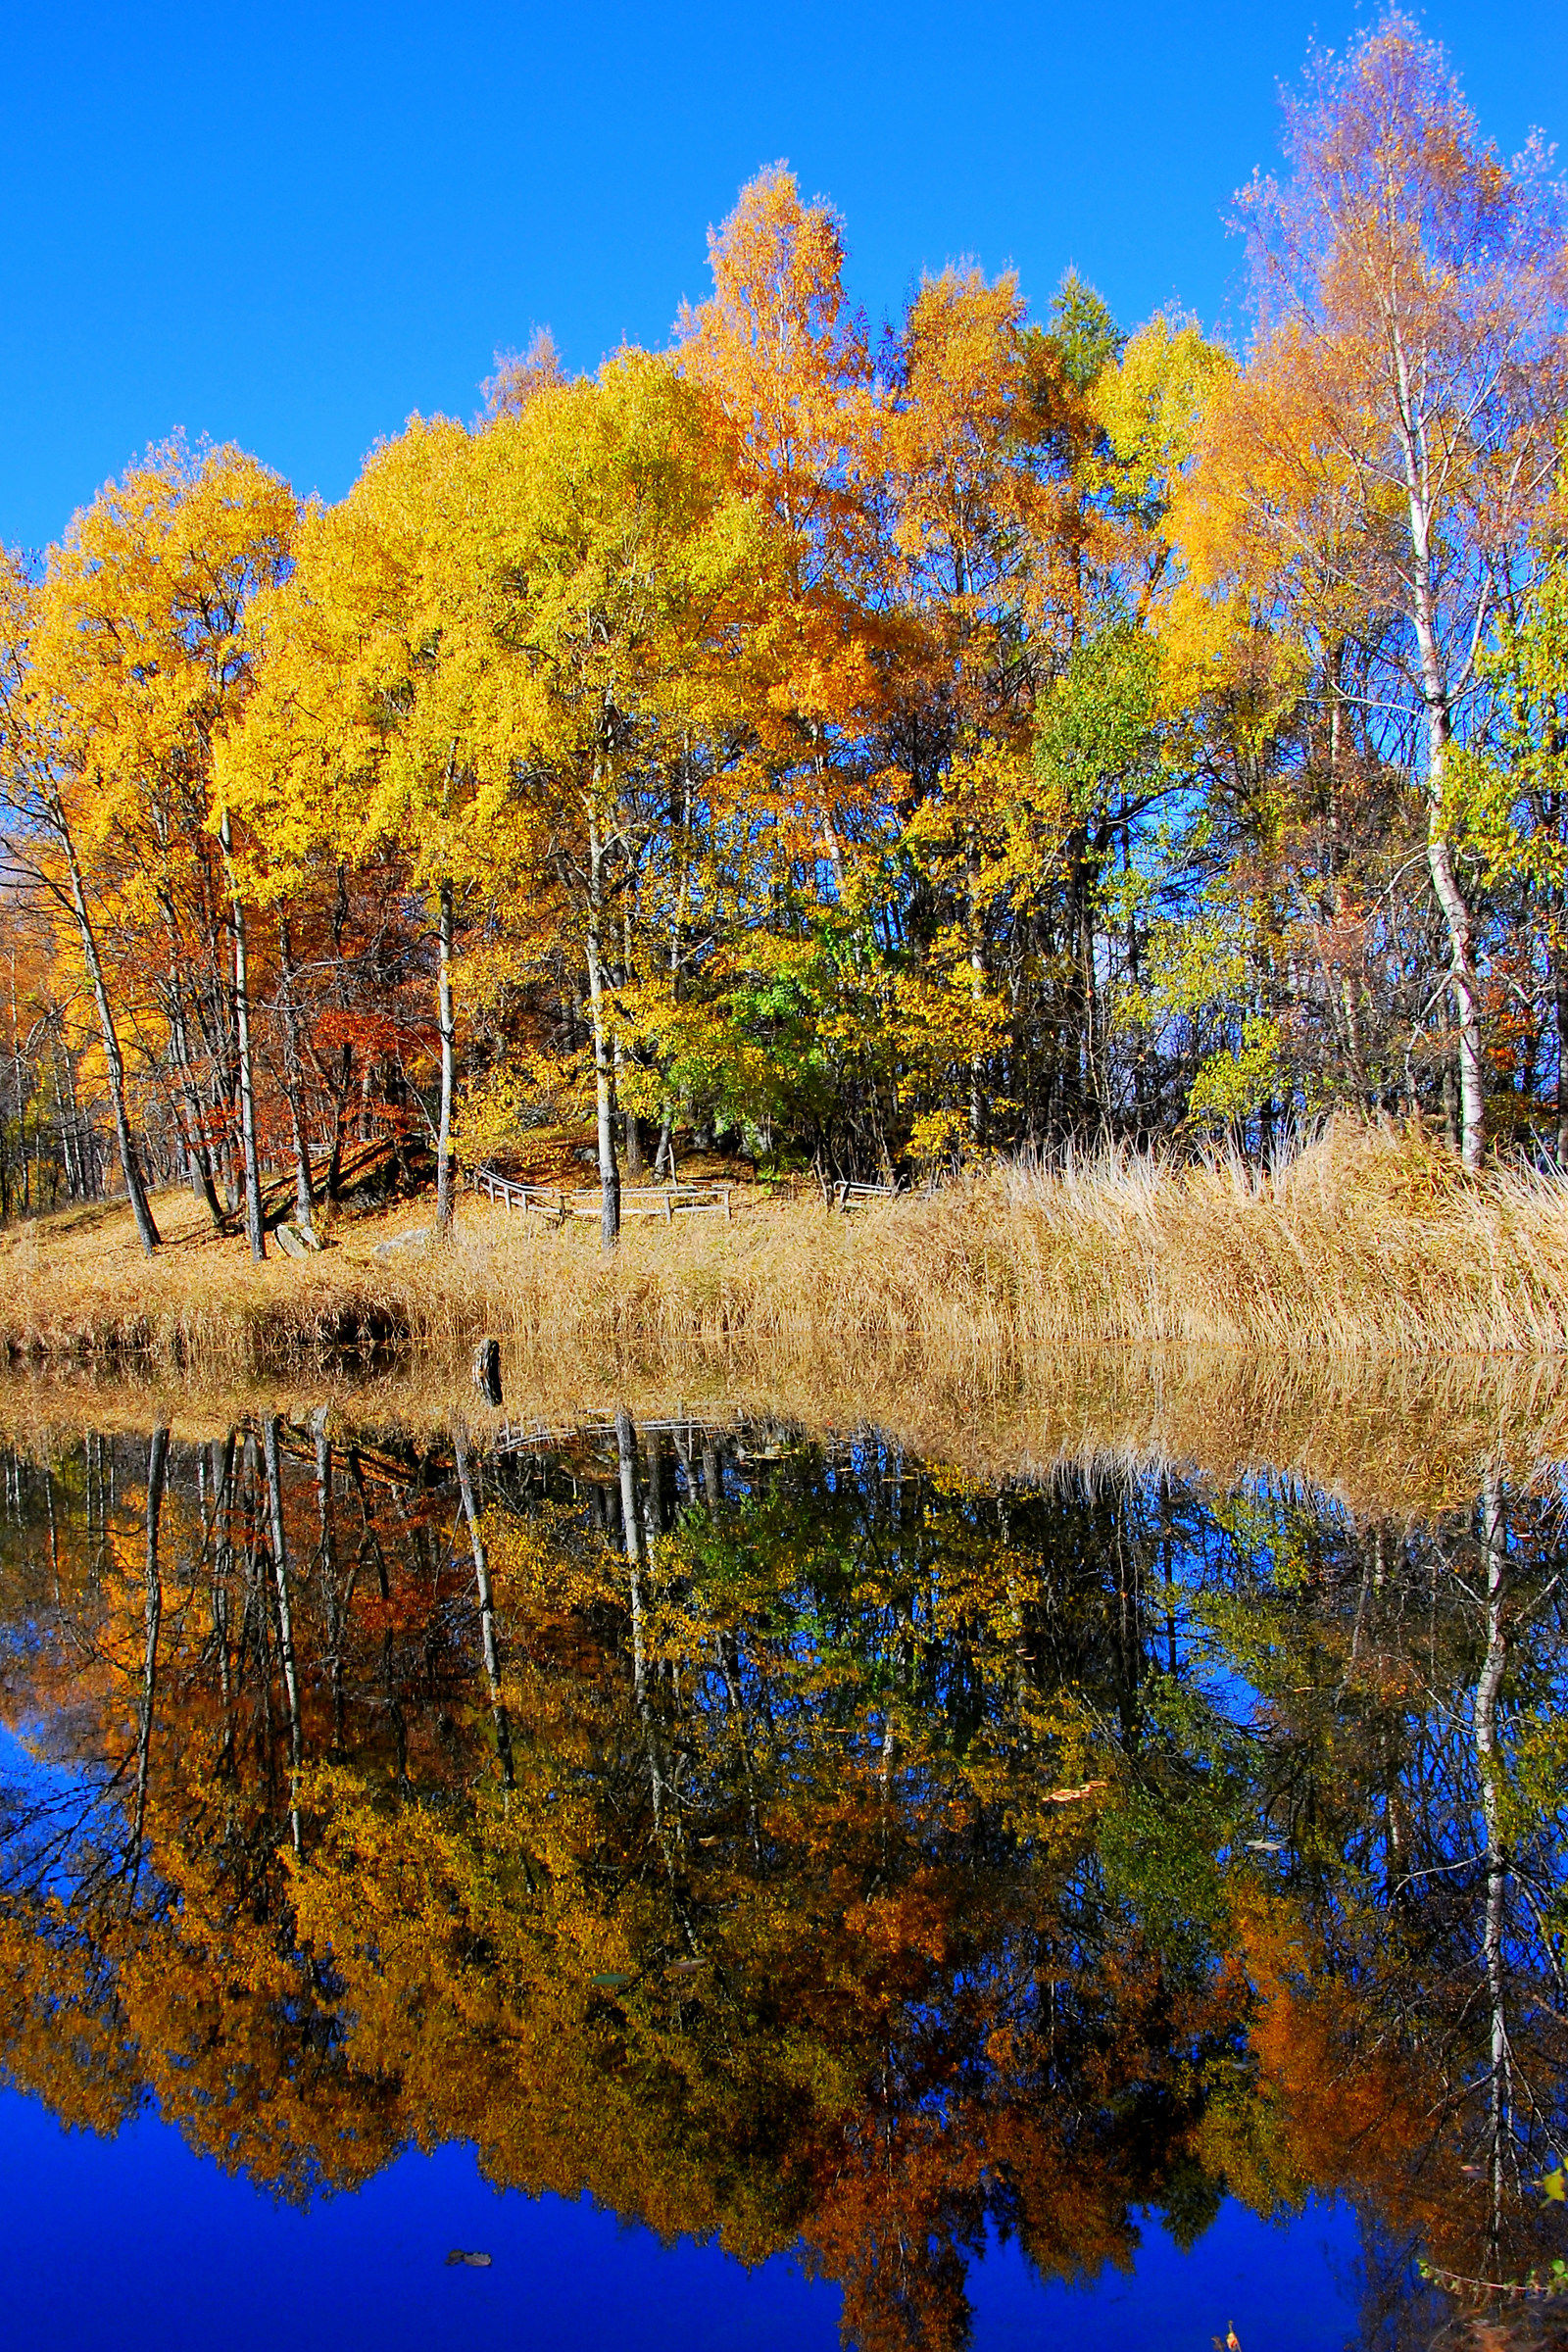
(598, 1431)
(667, 1201)
(846, 1197)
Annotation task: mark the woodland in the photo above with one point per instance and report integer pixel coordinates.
(863, 751)
(870, 750)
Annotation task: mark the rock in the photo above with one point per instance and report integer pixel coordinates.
(415, 1239)
(475, 2262)
(296, 1240)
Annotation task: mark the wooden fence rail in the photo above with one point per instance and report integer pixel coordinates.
(599, 1429)
(667, 1201)
(846, 1197)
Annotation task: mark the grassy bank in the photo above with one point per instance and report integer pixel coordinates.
(1363, 1245)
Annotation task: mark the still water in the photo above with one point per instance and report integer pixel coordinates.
(742, 1890)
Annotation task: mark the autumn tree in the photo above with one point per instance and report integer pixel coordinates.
(129, 662)
(603, 638)
(1390, 445)
(352, 749)
(786, 357)
(1515, 810)
(36, 766)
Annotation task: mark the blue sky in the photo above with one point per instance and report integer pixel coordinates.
(291, 226)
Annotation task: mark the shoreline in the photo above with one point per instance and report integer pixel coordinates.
(1363, 1318)
(1364, 1245)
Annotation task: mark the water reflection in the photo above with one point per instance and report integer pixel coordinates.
(801, 1844)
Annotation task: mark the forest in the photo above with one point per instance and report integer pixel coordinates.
(874, 750)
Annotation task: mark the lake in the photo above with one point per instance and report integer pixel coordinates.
(738, 1886)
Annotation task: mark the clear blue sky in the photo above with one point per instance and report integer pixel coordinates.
(290, 225)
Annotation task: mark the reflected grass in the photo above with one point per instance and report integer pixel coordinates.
(1401, 1439)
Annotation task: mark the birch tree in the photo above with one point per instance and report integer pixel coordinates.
(1392, 443)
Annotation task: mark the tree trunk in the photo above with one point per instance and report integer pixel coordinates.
(254, 1223)
(443, 1154)
(337, 1596)
(340, 1111)
(603, 1072)
(1462, 981)
(135, 1191)
(291, 1079)
(16, 1081)
(157, 1463)
(487, 1609)
(1560, 985)
(198, 1159)
(285, 1619)
(633, 1534)
(223, 1570)
(977, 986)
(1437, 697)
(69, 1151)
(1489, 1767)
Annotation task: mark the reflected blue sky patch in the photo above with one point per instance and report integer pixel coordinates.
(138, 2242)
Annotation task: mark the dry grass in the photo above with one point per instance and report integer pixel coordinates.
(1367, 1246)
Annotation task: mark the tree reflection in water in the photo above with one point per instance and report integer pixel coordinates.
(803, 1845)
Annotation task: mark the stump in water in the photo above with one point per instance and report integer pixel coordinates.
(487, 1370)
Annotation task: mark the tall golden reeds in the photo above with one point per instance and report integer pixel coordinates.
(1363, 1243)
